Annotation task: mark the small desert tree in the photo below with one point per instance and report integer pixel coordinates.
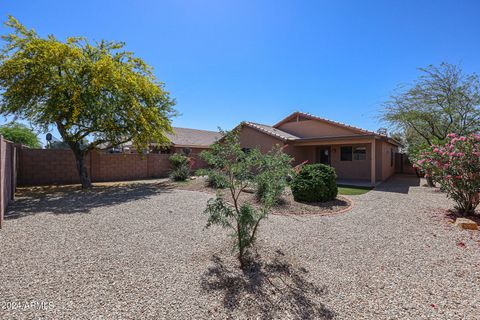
(90, 92)
(241, 168)
(442, 100)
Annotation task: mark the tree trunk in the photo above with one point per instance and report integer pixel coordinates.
(430, 182)
(81, 158)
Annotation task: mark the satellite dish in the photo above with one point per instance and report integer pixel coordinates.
(49, 137)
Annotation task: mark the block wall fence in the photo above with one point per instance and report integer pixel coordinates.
(8, 173)
(32, 167)
(51, 166)
(403, 164)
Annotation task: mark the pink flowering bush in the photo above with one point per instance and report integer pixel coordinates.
(456, 167)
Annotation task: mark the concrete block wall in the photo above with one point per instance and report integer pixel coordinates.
(47, 166)
(117, 166)
(8, 174)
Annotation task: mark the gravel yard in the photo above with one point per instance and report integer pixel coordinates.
(286, 205)
(141, 252)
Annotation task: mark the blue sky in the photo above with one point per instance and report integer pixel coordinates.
(228, 61)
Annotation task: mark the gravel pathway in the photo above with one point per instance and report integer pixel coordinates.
(141, 252)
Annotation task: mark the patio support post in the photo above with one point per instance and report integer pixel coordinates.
(373, 166)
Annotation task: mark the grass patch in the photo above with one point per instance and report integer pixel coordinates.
(352, 190)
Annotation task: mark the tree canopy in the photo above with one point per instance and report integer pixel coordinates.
(20, 133)
(441, 101)
(99, 92)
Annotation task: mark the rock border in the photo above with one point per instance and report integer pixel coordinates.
(350, 206)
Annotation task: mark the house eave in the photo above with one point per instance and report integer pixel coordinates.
(259, 129)
(358, 138)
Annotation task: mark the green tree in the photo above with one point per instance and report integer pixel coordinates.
(241, 170)
(441, 101)
(98, 92)
(20, 133)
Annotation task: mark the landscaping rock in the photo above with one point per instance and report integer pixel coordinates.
(140, 251)
(465, 223)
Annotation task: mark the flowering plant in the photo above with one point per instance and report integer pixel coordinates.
(456, 167)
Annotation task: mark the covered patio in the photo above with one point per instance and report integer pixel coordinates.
(351, 156)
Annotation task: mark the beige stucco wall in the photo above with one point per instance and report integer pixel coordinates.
(384, 169)
(378, 160)
(251, 138)
(314, 128)
(387, 169)
(299, 154)
(355, 169)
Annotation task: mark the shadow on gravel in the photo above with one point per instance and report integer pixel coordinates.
(399, 183)
(266, 290)
(73, 199)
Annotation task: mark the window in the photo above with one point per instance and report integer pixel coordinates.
(360, 153)
(186, 151)
(346, 154)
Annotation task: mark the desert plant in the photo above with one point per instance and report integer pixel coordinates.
(314, 182)
(180, 167)
(240, 168)
(272, 179)
(456, 167)
(443, 99)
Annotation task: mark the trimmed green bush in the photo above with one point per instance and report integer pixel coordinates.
(180, 167)
(315, 182)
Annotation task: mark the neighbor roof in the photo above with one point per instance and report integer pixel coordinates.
(193, 137)
(183, 137)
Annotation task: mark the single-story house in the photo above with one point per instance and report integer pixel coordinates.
(193, 139)
(182, 140)
(356, 154)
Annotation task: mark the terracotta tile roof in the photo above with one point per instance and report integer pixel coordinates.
(193, 137)
(280, 134)
(271, 131)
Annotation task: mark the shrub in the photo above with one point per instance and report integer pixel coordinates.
(315, 182)
(456, 167)
(180, 167)
(227, 159)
